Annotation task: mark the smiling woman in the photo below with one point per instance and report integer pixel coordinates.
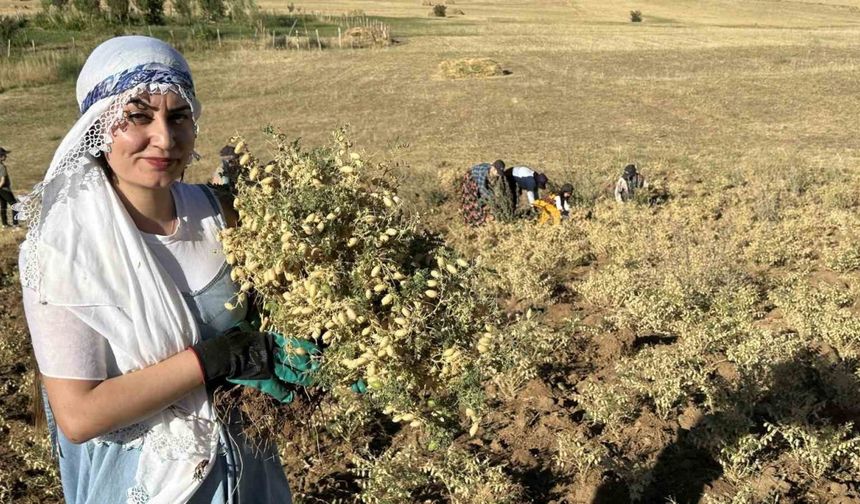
(158, 130)
(124, 287)
(152, 145)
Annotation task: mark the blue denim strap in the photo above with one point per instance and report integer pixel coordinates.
(216, 207)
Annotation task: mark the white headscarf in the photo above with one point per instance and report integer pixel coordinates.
(85, 253)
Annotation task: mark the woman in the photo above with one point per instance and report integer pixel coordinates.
(124, 290)
(629, 182)
(477, 191)
(562, 200)
(7, 197)
(225, 174)
(523, 178)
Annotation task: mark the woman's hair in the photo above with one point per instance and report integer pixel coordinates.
(630, 171)
(102, 161)
(565, 189)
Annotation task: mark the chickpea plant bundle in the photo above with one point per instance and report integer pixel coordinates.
(324, 242)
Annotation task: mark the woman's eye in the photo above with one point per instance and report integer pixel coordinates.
(137, 117)
(179, 118)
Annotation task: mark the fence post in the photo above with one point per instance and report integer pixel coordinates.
(8, 48)
(218, 32)
(33, 45)
(273, 39)
(319, 44)
(339, 39)
(149, 29)
(290, 34)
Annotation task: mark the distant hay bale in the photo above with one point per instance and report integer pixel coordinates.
(470, 68)
(449, 2)
(456, 12)
(366, 36)
(427, 2)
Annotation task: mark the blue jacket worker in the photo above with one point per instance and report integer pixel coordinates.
(7, 197)
(524, 179)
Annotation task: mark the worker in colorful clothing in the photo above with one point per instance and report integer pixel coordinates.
(562, 200)
(477, 191)
(7, 198)
(225, 175)
(524, 179)
(553, 208)
(631, 181)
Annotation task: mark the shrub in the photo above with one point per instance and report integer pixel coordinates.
(635, 16)
(241, 10)
(184, 9)
(118, 9)
(9, 26)
(153, 10)
(212, 9)
(439, 10)
(87, 7)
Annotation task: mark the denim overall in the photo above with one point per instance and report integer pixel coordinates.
(103, 472)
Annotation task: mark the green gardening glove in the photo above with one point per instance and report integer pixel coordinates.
(290, 368)
(297, 368)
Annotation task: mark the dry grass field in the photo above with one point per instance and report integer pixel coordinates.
(698, 320)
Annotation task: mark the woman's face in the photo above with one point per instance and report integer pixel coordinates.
(153, 143)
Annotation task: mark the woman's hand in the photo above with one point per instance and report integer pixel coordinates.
(237, 355)
(296, 362)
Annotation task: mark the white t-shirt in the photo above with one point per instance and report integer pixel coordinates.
(522, 172)
(192, 255)
(65, 347)
(525, 172)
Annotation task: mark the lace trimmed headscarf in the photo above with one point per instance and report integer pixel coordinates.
(84, 252)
